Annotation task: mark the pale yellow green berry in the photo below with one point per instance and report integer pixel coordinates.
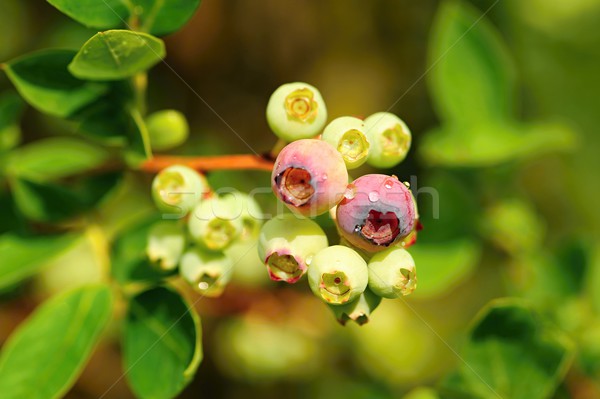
(390, 139)
(348, 135)
(167, 129)
(208, 272)
(392, 273)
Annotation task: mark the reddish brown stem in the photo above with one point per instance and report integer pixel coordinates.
(206, 164)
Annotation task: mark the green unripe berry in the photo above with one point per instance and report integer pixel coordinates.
(215, 223)
(392, 273)
(166, 243)
(359, 310)
(338, 275)
(177, 189)
(348, 135)
(287, 245)
(251, 215)
(167, 129)
(296, 111)
(208, 272)
(390, 139)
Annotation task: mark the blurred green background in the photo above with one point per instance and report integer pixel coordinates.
(517, 217)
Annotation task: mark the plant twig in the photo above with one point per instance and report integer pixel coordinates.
(209, 163)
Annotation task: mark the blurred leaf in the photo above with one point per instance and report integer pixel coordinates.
(161, 17)
(117, 54)
(441, 267)
(512, 353)
(52, 202)
(490, 145)
(161, 329)
(42, 78)
(24, 256)
(129, 260)
(11, 109)
(10, 221)
(107, 122)
(514, 226)
(103, 14)
(422, 393)
(55, 158)
(46, 353)
(471, 76)
(447, 207)
(45, 182)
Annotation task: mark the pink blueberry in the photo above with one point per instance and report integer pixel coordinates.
(377, 211)
(309, 176)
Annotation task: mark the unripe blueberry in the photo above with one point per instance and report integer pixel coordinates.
(348, 135)
(296, 111)
(309, 176)
(338, 275)
(377, 211)
(167, 129)
(359, 310)
(177, 189)
(166, 243)
(251, 215)
(392, 273)
(390, 139)
(215, 222)
(287, 246)
(208, 272)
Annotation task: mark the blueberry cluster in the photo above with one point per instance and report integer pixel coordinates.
(199, 244)
(376, 214)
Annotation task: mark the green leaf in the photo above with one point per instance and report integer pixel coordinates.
(11, 109)
(23, 256)
(512, 353)
(42, 78)
(53, 202)
(471, 76)
(44, 356)
(441, 267)
(491, 145)
(55, 158)
(161, 17)
(117, 54)
(161, 329)
(129, 260)
(99, 14)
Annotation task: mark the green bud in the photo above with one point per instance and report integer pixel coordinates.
(167, 129)
(287, 245)
(390, 139)
(348, 135)
(215, 223)
(208, 272)
(338, 275)
(166, 243)
(392, 273)
(177, 189)
(359, 310)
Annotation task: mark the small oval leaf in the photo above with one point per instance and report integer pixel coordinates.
(117, 54)
(161, 17)
(45, 355)
(43, 80)
(103, 14)
(161, 329)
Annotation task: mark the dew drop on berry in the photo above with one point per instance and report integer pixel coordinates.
(350, 192)
(325, 177)
(373, 196)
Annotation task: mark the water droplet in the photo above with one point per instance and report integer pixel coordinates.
(325, 177)
(308, 260)
(389, 184)
(373, 196)
(350, 192)
(203, 285)
(407, 184)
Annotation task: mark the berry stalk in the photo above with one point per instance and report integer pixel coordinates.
(208, 163)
